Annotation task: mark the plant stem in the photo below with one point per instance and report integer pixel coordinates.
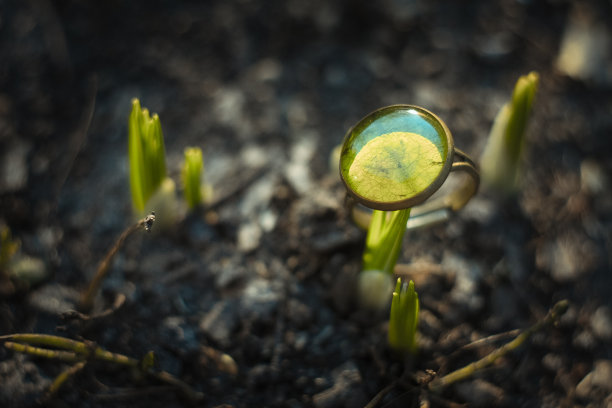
(66, 356)
(63, 377)
(87, 298)
(81, 352)
(557, 311)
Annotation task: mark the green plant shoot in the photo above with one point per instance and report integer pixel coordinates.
(192, 172)
(384, 240)
(382, 249)
(147, 155)
(501, 159)
(404, 318)
(8, 248)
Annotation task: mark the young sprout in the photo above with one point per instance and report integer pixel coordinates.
(191, 174)
(8, 247)
(500, 161)
(382, 249)
(404, 318)
(147, 155)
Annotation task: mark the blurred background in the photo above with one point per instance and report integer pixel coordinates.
(271, 87)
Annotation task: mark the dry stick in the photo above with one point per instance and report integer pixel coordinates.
(557, 311)
(81, 352)
(66, 356)
(87, 298)
(62, 378)
(378, 397)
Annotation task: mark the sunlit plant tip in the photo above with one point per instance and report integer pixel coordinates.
(500, 161)
(404, 318)
(147, 155)
(192, 174)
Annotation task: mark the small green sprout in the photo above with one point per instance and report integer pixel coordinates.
(191, 174)
(8, 247)
(501, 159)
(147, 155)
(382, 249)
(404, 318)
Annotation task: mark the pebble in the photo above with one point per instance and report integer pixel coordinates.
(599, 378)
(468, 276)
(480, 393)
(260, 299)
(297, 170)
(21, 381)
(220, 323)
(179, 335)
(14, 167)
(249, 235)
(347, 389)
(601, 323)
(568, 258)
(54, 299)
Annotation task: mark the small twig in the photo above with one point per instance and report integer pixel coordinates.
(62, 378)
(378, 397)
(66, 356)
(87, 298)
(81, 352)
(488, 340)
(557, 311)
(76, 315)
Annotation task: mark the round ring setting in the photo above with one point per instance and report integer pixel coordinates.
(398, 156)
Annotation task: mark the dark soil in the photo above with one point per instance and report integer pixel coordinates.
(266, 273)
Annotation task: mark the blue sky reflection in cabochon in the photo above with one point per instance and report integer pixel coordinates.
(394, 154)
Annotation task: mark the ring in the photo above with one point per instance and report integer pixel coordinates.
(396, 158)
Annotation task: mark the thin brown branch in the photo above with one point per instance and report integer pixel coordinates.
(557, 311)
(88, 296)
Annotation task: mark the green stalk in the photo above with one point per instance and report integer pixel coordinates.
(384, 240)
(501, 159)
(192, 172)
(147, 155)
(404, 318)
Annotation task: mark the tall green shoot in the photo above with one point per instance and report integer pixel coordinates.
(382, 249)
(147, 155)
(192, 177)
(404, 318)
(501, 159)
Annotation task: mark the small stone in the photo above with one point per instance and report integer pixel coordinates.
(553, 362)
(260, 299)
(249, 236)
(228, 272)
(593, 178)
(568, 258)
(297, 170)
(14, 168)
(22, 382)
(347, 390)
(480, 393)
(601, 323)
(178, 335)
(28, 270)
(220, 323)
(599, 379)
(54, 299)
(468, 276)
(585, 340)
